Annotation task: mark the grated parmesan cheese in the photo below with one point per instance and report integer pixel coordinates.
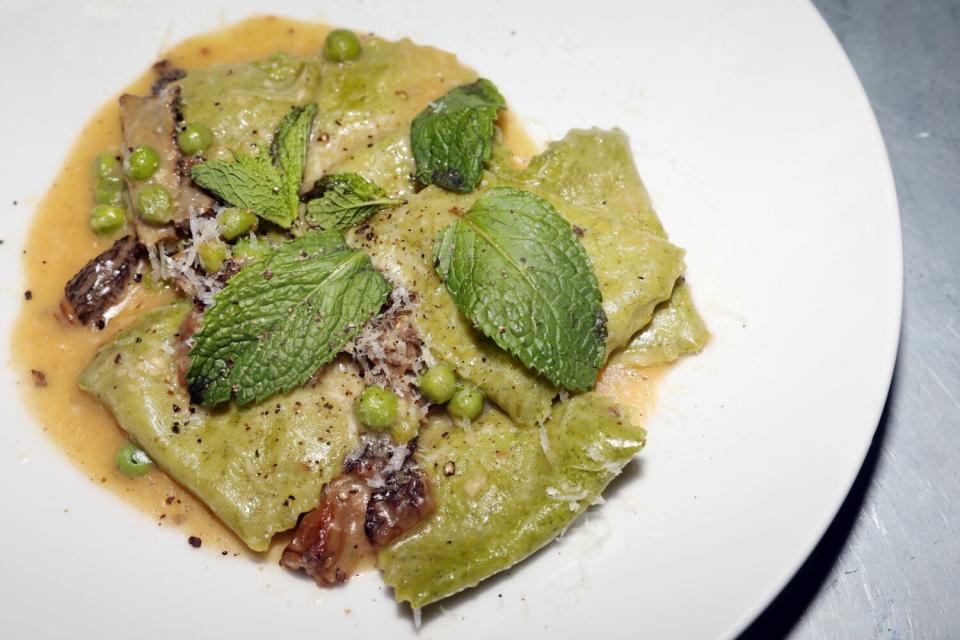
(181, 267)
(573, 498)
(593, 452)
(396, 455)
(545, 444)
(389, 350)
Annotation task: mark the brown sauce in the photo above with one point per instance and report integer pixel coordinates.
(60, 243)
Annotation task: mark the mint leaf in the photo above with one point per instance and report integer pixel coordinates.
(249, 182)
(289, 150)
(515, 268)
(282, 318)
(344, 200)
(268, 187)
(453, 137)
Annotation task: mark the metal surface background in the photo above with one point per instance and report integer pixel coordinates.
(889, 566)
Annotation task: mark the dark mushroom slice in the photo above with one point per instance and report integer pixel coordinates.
(399, 505)
(167, 73)
(152, 120)
(100, 283)
(381, 495)
(330, 543)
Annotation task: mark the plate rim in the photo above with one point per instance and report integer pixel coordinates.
(891, 357)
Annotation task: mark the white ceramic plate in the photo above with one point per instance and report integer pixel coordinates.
(764, 160)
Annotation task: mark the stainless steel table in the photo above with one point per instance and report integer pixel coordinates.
(889, 566)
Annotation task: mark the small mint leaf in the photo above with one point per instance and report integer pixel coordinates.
(289, 151)
(344, 200)
(249, 182)
(453, 137)
(271, 189)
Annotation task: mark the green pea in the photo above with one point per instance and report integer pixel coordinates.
(376, 407)
(107, 218)
(248, 251)
(405, 430)
(194, 138)
(341, 45)
(108, 192)
(212, 254)
(106, 166)
(438, 383)
(236, 222)
(155, 204)
(467, 402)
(132, 461)
(142, 162)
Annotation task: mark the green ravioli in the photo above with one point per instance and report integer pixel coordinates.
(388, 163)
(243, 463)
(675, 330)
(375, 95)
(594, 169)
(503, 492)
(242, 103)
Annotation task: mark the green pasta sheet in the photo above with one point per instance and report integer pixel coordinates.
(503, 492)
(636, 270)
(374, 95)
(256, 467)
(675, 330)
(594, 169)
(243, 103)
(388, 163)
(359, 101)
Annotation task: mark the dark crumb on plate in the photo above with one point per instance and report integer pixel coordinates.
(39, 378)
(195, 542)
(28, 295)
